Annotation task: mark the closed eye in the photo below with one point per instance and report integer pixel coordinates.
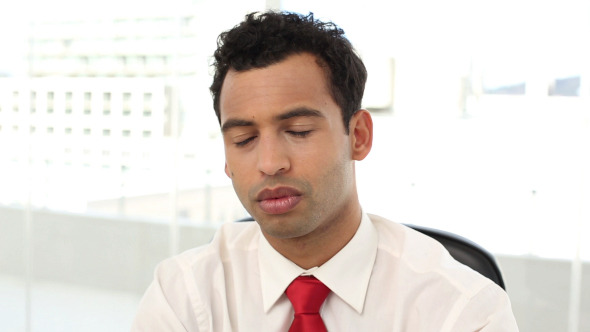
(299, 133)
(244, 142)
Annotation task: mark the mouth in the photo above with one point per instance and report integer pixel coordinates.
(279, 200)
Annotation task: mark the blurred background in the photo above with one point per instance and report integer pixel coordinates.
(111, 157)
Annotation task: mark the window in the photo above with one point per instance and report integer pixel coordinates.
(126, 104)
(147, 98)
(509, 89)
(69, 102)
(87, 131)
(33, 102)
(567, 86)
(15, 101)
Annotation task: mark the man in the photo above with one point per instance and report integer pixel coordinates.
(287, 92)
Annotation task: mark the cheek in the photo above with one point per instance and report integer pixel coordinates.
(327, 154)
(327, 174)
(239, 173)
(229, 173)
(240, 187)
(234, 164)
(334, 166)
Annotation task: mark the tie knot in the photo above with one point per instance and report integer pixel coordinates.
(307, 294)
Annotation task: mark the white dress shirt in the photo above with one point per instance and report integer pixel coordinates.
(387, 278)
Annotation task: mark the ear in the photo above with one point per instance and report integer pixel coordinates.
(227, 171)
(361, 134)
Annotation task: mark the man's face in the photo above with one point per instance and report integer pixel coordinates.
(286, 149)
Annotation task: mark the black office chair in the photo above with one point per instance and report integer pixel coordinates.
(463, 250)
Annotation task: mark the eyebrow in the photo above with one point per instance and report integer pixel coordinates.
(232, 123)
(297, 112)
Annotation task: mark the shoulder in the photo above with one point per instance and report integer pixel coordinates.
(186, 288)
(423, 275)
(230, 239)
(418, 254)
(198, 269)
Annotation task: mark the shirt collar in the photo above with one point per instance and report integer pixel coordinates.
(352, 265)
(276, 273)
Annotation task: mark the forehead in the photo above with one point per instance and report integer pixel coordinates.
(298, 81)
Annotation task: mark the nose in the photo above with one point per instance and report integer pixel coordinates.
(273, 158)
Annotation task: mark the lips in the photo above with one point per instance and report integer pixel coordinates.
(279, 200)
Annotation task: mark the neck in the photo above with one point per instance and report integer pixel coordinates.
(317, 247)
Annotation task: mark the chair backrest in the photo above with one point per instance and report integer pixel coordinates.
(463, 250)
(466, 252)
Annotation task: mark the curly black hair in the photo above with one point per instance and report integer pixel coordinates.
(263, 39)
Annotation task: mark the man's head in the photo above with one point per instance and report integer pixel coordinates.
(265, 39)
(290, 159)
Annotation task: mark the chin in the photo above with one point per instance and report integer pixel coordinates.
(281, 228)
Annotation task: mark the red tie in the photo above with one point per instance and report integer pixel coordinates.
(307, 295)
